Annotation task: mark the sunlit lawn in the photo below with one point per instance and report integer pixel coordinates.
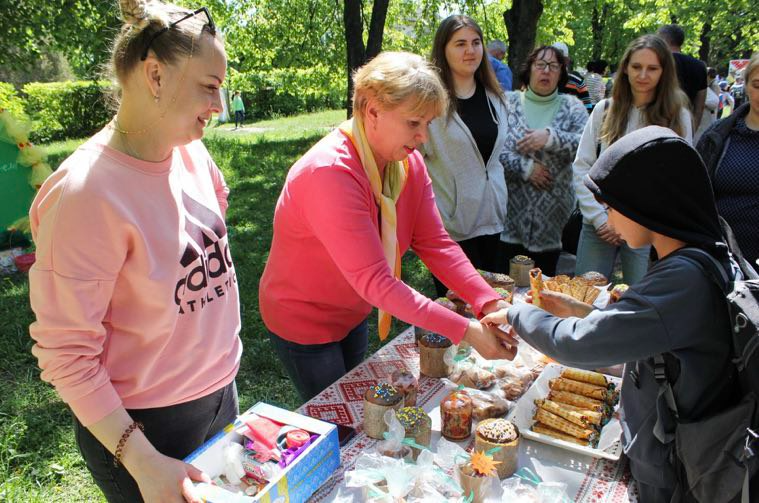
(39, 460)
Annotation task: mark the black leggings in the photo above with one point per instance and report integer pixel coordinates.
(484, 253)
(175, 431)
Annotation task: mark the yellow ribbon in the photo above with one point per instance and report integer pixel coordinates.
(385, 194)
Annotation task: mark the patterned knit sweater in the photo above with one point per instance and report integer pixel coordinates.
(537, 217)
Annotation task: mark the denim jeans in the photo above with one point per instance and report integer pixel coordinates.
(175, 431)
(313, 367)
(595, 254)
(239, 117)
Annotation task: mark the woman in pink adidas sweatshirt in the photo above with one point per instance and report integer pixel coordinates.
(134, 287)
(350, 207)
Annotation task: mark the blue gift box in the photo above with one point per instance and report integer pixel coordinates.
(297, 481)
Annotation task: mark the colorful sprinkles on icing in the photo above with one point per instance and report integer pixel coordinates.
(410, 416)
(384, 390)
(434, 338)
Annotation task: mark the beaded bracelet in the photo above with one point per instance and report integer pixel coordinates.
(120, 447)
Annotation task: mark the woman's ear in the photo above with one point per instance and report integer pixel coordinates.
(371, 112)
(152, 71)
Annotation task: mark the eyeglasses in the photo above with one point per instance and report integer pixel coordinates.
(541, 65)
(210, 24)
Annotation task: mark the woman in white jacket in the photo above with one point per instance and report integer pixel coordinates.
(465, 143)
(645, 93)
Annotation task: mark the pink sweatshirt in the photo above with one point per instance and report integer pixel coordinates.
(326, 268)
(134, 289)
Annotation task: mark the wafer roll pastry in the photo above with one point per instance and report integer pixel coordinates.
(573, 416)
(564, 426)
(578, 401)
(596, 418)
(547, 430)
(581, 388)
(585, 376)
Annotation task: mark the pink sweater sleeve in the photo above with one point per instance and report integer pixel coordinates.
(444, 257)
(70, 292)
(337, 209)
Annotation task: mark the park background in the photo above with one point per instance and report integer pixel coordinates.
(291, 60)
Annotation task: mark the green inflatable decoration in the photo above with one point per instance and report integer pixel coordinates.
(16, 193)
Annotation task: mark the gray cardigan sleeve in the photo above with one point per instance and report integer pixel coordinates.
(629, 330)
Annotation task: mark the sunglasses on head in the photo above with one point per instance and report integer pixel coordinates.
(209, 23)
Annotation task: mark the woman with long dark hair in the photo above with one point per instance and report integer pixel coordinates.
(645, 93)
(463, 150)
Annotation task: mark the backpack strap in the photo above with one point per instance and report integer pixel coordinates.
(603, 116)
(667, 414)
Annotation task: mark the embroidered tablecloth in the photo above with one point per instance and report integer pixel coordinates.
(588, 480)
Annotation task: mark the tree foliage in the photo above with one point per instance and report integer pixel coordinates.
(266, 35)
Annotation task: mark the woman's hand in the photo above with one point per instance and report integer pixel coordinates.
(540, 178)
(164, 479)
(533, 141)
(491, 342)
(609, 234)
(562, 305)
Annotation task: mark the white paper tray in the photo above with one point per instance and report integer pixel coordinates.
(609, 444)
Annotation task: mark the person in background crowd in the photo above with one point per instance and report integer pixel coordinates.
(738, 89)
(645, 93)
(657, 193)
(711, 105)
(575, 84)
(349, 209)
(595, 81)
(691, 73)
(464, 145)
(726, 101)
(238, 107)
(730, 149)
(496, 53)
(542, 138)
(610, 79)
(134, 288)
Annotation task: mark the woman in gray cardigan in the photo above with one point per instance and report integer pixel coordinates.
(464, 144)
(541, 141)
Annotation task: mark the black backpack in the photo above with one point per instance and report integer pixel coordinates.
(717, 458)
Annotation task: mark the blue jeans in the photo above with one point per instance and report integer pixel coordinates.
(175, 431)
(239, 117)
(595, 254)
(313, 367)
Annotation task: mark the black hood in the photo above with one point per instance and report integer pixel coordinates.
(653, 177)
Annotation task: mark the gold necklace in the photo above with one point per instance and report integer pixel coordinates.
(124, 141)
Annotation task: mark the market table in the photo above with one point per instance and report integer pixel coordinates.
(588, 480)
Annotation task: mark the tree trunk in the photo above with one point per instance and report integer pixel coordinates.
(598, 25)
(376, 28)
(703, 51)
(357, 53)
(354, 43)
(521, 25)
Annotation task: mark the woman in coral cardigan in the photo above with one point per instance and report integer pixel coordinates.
(350, 207)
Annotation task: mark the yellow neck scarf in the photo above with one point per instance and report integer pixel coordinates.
(386, 196)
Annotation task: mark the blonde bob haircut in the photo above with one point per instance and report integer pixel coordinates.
(393, 78)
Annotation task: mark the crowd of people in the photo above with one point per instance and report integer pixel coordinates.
(135, 291)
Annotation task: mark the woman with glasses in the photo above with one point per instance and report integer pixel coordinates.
(134, 288)
(541, 141)
(349, 209)
(464, 144)
(646, 92)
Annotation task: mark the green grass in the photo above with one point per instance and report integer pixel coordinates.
(39, 461)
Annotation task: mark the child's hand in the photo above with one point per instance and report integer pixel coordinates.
(562, 305)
